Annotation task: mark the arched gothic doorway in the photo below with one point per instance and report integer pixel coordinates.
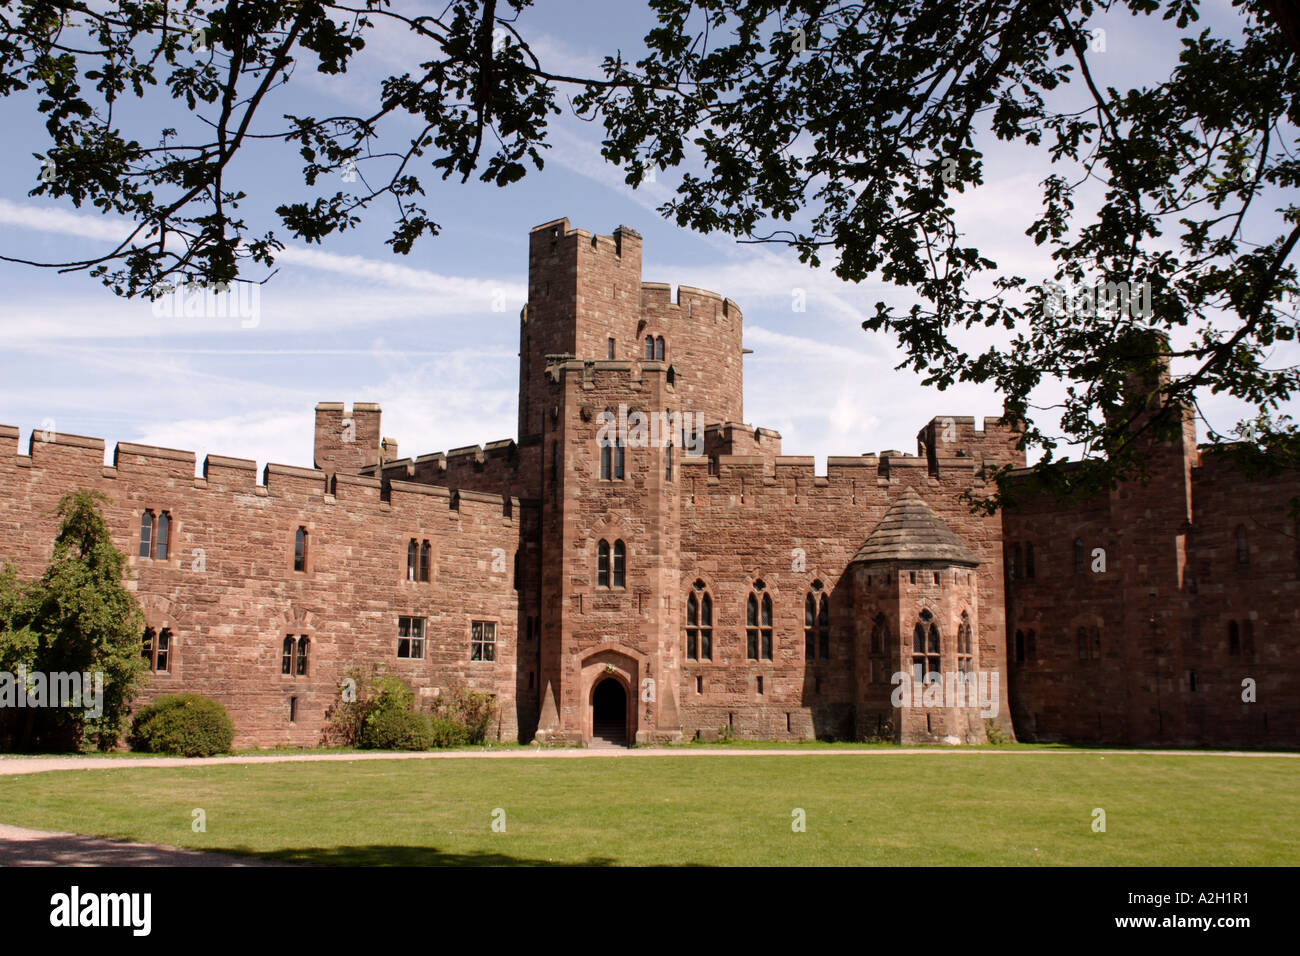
(609, 712)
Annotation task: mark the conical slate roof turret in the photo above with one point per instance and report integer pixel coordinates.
(911, 531)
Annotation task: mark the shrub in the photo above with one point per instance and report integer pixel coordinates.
(363, 691)
(189, 725)
(388, 728)
(448, 732)
(473, 710)
(377, 710)
(995, 733)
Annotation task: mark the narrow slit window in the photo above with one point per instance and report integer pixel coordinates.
(620, 564)
(164, 650)
(300, 550)
(162, 536)
(602, 564)
(758, 624)
(146, 534)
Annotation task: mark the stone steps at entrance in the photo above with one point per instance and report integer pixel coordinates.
(608, 734)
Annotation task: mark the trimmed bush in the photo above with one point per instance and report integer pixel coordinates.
(391, 729)
(187, 725)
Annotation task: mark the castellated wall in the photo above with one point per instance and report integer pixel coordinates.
(229, 593)
(774, 519)
(501, 468)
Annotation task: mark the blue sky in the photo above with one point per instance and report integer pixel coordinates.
(349, 321)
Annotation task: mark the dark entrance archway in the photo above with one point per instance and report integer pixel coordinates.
(609, 712)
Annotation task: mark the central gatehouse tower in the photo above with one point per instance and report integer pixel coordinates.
(617, 383)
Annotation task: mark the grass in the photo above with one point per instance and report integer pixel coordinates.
(959, 808)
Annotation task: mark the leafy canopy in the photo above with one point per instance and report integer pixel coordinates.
(843, 129)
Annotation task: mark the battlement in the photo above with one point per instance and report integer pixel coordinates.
(658, 296)
(558, 229)
(77, 461)
(348, 441)
(470, 467)
(948, 439)
(888, 467)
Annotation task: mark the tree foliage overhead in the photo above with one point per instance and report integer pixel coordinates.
(479, 101)
(843, 129)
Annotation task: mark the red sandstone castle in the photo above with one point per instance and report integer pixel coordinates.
(639, 566)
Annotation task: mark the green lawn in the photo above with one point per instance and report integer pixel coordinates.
(958, 808)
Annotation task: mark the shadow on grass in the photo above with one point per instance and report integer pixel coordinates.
(75, 849)
(380, 855)
(72, 849)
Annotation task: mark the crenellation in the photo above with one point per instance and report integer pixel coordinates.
(293, 481)
(170, 462)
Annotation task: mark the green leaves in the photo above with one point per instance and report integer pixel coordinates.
(480, 102)
(78, 617)
(857, 136)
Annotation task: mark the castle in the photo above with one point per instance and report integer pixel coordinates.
(638, 566)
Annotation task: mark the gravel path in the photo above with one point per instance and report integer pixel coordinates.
(22, 847)
(10, 765)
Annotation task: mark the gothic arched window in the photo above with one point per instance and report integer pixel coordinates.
(164, 532)
(699, 624)
(816, 623)
(965, 655)
(620, 564)
(758, 624)
(925, 648)
(300, 550)
(146, 534)
(602, 564)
